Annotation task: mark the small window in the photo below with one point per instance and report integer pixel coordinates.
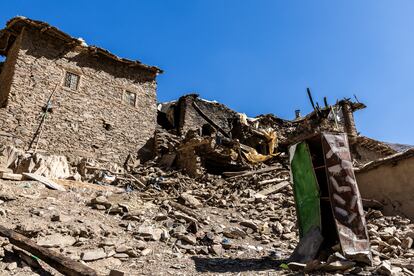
(130, 98)
(71, 80)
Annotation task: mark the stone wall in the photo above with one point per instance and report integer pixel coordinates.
(7, 72)
(191, 119)
(91, 121)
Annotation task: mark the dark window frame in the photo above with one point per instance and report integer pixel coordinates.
(71, 80)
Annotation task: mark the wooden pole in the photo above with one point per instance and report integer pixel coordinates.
(42, 120)
(205, 117)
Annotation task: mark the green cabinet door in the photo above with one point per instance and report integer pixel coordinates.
(305, 188)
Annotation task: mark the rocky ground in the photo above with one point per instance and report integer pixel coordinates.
(242, 225)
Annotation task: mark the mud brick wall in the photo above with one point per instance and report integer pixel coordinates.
(37, 64)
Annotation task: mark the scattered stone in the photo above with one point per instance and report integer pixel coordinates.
(191, 239)
(384, 268)
(338, 265)
(234, 232)
(60, 218)
(122, 248)
(250, 224)
(191, 201)
(101, 200)
(93, 255)
(160, 217)
(121, 256)
(56, 240)
(11, 266)
(141, 245)
(407, 243)
(217, 249)
(146, 251)
(150, 233)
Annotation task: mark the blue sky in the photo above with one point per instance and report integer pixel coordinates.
(258, 56)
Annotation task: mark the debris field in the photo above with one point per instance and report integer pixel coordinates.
(196, 188)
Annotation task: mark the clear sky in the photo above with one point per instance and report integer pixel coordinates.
(258, 56)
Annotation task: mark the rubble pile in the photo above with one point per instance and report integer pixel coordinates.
(391, 242)
(215, 198)
(176, 218)
(108, 229)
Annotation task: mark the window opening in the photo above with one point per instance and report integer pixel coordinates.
(130, 98)
(71, 81)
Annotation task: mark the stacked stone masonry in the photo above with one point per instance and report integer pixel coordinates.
(90, 121)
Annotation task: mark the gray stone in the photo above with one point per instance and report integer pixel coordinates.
(217, 249)
(101, 200)
(93, 255)
(121, 256)
(56, 240)
(149, 232)
(141, 245)
(191, 201)
(338, 265)
(146, 251)
(234, 232)
(384, 268)
(11, 266)
(407, 243)
(189, 238)
(249, 224)
(122, 248)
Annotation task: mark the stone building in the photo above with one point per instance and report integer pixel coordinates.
(99, 105)
(192, 112)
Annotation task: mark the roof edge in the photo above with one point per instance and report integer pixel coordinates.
(12, 29)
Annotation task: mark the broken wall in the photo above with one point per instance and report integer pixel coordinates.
(7, 71)
(78, 125)
(191, 119)
(391, 183)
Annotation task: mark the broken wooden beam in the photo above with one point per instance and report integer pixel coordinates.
(185, 210)
(56, 260)
(269, 169)
(274, 189)
(230, 174)
(270, 181)
(10, 176)
(213, 124)
(49, 183)
(372, 203)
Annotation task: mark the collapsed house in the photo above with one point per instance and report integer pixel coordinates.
(62, 98)
(239, 141)
(59, 95)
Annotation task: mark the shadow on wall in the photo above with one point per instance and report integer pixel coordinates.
(146, 152)
(95, 62)
(223, 265)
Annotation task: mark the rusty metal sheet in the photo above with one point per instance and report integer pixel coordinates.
(345, 198)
